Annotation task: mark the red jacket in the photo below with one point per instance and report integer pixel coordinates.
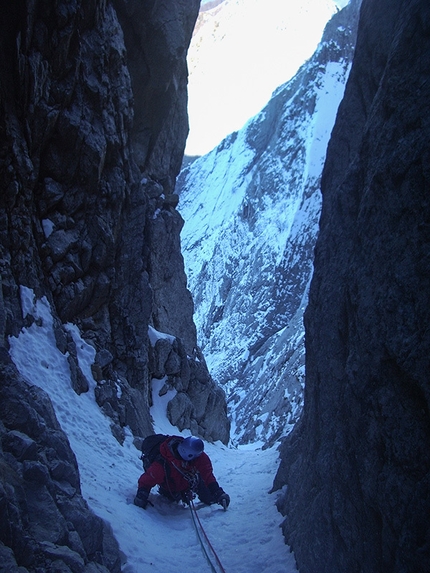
(173, 479)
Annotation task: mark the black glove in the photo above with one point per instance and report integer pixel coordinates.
(219, 495)
(141, 498)
(224, 500)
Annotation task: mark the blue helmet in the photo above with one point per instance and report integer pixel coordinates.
(190, 448)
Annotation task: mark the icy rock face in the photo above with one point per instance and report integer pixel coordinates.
(357, 466)
(94, 124)
(251, 208)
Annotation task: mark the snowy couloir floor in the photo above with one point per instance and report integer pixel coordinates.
(247, 537)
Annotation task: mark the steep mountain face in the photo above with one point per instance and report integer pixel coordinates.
(357, 465)
(251, 208)
(93, 125)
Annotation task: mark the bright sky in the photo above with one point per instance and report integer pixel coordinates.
(237, 61)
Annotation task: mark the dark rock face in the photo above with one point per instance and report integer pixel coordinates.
(45, 521)
(358, 464)
(93, 125)
(157, 36)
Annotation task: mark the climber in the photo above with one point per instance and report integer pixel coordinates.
(182, 470)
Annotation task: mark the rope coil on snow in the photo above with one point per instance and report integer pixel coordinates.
(196, 520)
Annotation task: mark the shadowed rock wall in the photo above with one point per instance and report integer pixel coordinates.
(358, 464)
(93, 125)
(45, 523)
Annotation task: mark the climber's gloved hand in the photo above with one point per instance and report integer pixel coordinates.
(224, 500)
(219, 495)
(141, 499)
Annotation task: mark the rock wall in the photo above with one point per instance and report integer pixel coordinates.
(45, 523)
(93, 125)
(358, 464)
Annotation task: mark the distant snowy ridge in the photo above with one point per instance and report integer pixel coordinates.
(251, 210)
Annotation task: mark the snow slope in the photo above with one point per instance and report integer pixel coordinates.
(247, 537)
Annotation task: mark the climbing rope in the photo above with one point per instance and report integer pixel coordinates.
(197, 523)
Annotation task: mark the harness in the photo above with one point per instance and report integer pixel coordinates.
(190, 474)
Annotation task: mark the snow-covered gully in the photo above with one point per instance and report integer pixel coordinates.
(246, 537)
